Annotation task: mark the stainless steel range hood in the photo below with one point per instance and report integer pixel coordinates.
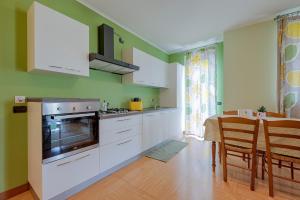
(104, 60)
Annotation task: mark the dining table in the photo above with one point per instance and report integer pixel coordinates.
(212, 134)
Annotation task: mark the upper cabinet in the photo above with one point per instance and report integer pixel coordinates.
(56, 43)
(174, 95)
(152, 72)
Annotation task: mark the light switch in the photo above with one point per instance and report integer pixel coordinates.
(20, 99)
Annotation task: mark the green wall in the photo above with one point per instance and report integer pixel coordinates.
(180, 58)
(14, 80)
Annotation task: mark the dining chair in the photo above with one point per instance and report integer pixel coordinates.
(282, 139)
(230, 112)
(239, 136)
(272, 114)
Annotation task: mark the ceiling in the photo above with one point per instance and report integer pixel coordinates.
(178, 25)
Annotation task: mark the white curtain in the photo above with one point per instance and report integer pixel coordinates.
(200, 89)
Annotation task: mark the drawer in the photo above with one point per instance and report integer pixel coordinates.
(113, 135)
(118, 152)
(64, 174)
(120, 122)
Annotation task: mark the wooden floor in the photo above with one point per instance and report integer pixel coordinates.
(187, 176)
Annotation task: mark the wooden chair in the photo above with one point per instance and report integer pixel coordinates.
(239, 136)
(273, 114)
(282, 143)
(230, 112)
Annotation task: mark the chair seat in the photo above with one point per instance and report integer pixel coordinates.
(238, 149)
(285, 158)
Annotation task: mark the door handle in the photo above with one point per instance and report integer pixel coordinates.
(65, 163)
(127, 141)
(121, 120)
(82, 157)
(123, 131)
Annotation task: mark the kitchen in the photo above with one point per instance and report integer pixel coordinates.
(101, 100)
(123, 135)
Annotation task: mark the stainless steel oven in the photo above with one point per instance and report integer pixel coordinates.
(68, 128)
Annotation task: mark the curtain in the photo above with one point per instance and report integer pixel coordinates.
(200, 89)
(289, 65)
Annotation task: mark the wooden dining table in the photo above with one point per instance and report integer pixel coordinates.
(212, 134)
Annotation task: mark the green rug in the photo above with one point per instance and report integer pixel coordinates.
(166, 151)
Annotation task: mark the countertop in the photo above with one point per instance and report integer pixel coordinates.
(58, 100)
(146, 110)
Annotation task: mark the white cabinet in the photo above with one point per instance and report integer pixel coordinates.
(151, 134)
(175, 124)
(118, 152)
(66, 173)
(153, 71)
(56, 43)
(174, 95)
(120, 140)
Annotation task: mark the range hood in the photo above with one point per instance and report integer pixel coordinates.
(104, 60)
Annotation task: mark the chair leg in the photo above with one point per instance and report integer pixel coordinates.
(279, 163)
(253, 172)
(270, 176)
(220, 153)
(213, 154)
(244, 156)
(263, 166)
(224, 159)
(248, 160)
(256, 167)
(292, 170)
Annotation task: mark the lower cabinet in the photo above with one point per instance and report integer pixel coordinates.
(151, 134)
(118, 152)
(66, 173)
(160, 126)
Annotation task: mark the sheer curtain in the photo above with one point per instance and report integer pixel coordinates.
(200, 89)
(289, 65)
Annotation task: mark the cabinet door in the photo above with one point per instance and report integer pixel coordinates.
(175, 127)
(56, 42)
(164, 125)
(142, 60)
(113, 154)
(66, 173)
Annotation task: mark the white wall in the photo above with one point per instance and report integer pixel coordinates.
(250, 67)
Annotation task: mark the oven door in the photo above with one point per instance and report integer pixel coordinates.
(66, 135)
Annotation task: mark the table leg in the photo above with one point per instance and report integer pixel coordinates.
(213, 154)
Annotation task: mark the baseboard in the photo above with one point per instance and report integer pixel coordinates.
(14, 191)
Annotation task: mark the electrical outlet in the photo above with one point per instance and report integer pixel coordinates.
(20, 99)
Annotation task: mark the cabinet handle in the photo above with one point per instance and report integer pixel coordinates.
(58, 67)
(83, 157)
(65, 163)
(121, 120)
(123, 131)
(61, 164)
(127, 141)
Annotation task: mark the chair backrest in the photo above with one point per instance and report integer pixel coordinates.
(234, 112)
(274, 114)
(282, 137)
(230, 112)
(238, 131)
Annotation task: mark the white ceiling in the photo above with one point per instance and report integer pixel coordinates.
(177, 25)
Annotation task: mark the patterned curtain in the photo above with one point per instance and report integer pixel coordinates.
(289, 65)
(200, 89)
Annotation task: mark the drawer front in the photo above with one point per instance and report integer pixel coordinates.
(64, 174)
(117, 152)
(113, 135)
(120, 122)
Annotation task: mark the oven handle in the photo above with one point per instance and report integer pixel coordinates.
(73, 116)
